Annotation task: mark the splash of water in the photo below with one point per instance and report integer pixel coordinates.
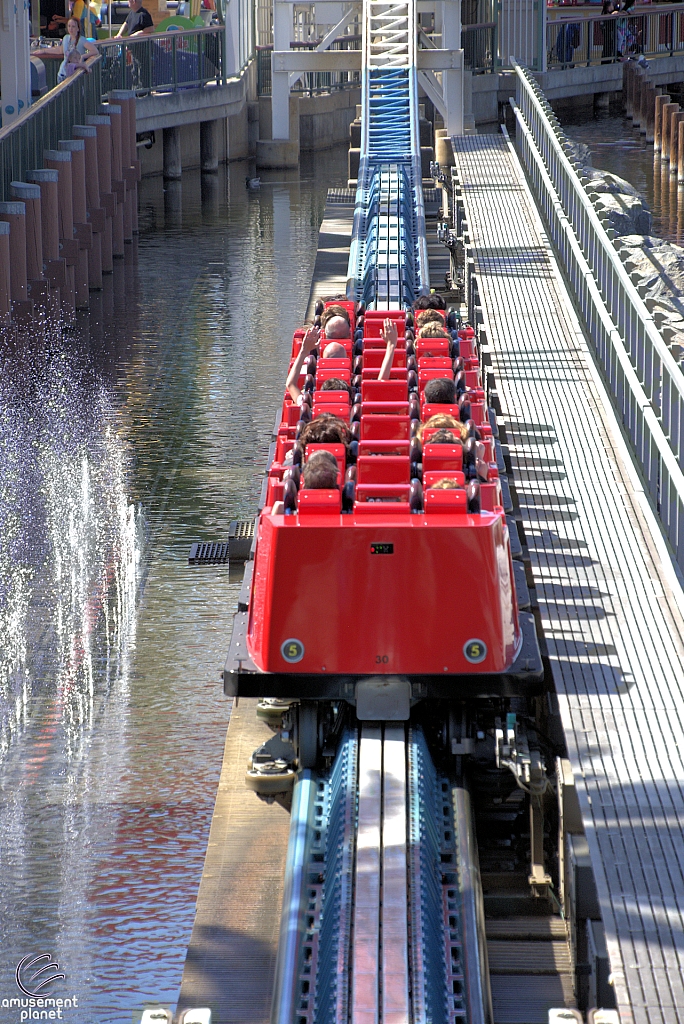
(70, 550)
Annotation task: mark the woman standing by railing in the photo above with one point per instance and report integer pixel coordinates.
(74, 41)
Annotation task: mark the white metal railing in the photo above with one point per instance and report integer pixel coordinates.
(581, 36)
(645, 382)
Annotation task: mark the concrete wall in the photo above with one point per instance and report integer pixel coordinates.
(233, 144)
(323, 120)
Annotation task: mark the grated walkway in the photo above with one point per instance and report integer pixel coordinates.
(612, 626)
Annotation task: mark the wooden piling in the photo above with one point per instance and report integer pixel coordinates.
(83, 231)
(60, 161)
(113, 111)
(14, 215)
(5, 286)
(125, 98)
(29, 195)
(658, 121)
(55, 267)
(674, 140)
(668, 110)
(680, 152)
(96, 215)
(102, 125)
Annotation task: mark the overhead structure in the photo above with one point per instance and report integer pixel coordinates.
(15, 67)
(388, 264)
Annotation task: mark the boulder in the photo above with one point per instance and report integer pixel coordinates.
(627, 214)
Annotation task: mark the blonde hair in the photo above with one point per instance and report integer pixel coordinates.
(445, 484)
(433, 330)
(443, 420)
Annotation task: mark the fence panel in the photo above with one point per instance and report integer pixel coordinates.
(646, 383)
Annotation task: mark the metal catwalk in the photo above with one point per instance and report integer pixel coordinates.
(610, 604)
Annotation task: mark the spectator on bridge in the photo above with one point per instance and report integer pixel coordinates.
(138, 22)
(75, 47)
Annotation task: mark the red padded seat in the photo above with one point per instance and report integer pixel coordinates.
(383, 469)
(389, 428)
(319, 502)
(450, 500)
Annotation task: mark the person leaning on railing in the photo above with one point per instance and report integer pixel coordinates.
(138, 22)
(75, 46)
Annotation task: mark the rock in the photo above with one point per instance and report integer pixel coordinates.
(604, 181)
(660, 266)
(627, 214)
(581, 152)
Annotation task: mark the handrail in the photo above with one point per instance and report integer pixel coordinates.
(645, 381)
(592, 12)
(141, 38)
(46, 122)
(50, 97)
(655, 31)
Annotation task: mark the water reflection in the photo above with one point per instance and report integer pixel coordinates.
(147, 429)
(618, 147)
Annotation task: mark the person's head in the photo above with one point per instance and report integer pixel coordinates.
(433, 330)
(330, 311)
(335, 384)
(445, 437)
(74, 29)
(325, 429)
(320, 472)
(427, 316)
(440, 391)
(337, 327)
(445, 484)
(334, 351)
(433, 301)
(135, 5)
(443, 421)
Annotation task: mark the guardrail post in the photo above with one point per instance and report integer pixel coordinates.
(60, 161)
(37, 285)
(102, 125)
(55, 266)
(96, 215)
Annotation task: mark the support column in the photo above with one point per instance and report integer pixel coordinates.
(5, 293)
(113, 111)
(102, 125)
(209, 146)
(55, 267)
(38, 286)
(452, 80)
(280, 80)
(58, 160)
(130, 164)
(96, 215)
(83, 232)
(172, 154)
(14, 214)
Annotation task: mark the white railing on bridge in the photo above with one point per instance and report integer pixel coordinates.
(645, 382)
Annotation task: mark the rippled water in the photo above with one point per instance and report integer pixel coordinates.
(146, 429)
(618, 147)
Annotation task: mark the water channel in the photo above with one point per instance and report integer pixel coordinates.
(143, 430)
(618, 147)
